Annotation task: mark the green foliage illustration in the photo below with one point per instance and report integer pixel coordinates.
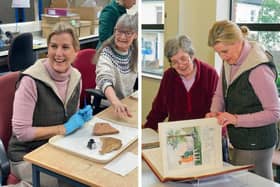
(197, 147)
(175, 137)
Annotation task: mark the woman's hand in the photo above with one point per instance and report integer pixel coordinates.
(211, 114)
(121, 109)
(86, 113)
(225, 118)
(75, 122)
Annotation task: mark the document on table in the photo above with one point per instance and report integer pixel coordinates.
(123, 164)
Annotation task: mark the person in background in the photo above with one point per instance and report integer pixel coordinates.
(46, 102)
(109, 16)
(246, 99)
(116, 63)
(186, 88)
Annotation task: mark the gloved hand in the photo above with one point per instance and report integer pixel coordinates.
(86, 113)
(74, 122)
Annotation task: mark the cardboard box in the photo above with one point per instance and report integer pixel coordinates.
(57, 11)
(86, 13)
(94, 27)
(47, 29)
(85, 28)
(74, 20)
(58, 4)
(48, 22)
(54, 18)
(63, 3)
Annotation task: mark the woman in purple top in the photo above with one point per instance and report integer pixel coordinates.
(186, 88)
(46, 102)
(246, 99)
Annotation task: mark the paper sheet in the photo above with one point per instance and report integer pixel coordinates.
(134, 95)
(123, 164)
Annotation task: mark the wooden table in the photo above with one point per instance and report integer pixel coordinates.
(79, 171)
(132, 107)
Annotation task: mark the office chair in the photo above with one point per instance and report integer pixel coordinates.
(84, 64)
(20, 54)
(8, 87)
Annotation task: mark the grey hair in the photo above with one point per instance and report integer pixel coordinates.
(172, 46)
(125, 22)
(128, 22)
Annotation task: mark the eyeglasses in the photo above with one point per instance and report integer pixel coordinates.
(126, 33)
(183, 60)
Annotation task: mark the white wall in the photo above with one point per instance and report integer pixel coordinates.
(149, 12)
(195, 21)
(222, 12)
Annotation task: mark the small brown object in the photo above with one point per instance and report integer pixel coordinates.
(100, 129)
(110, 144)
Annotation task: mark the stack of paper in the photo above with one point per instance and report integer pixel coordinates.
(149, 138)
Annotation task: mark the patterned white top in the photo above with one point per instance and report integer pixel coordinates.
(114, 68)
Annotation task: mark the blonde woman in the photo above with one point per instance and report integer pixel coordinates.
(246, 99)
(46, 102)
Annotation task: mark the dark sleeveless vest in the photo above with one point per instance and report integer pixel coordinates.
(49, 110)
(240, 98)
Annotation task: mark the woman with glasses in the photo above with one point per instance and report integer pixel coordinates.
(186, 88)
(116, 59)
(109, 17)
(246, 99)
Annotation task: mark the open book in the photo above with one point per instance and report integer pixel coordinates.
(189, 150)
(149, 138)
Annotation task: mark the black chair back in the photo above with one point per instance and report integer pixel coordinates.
(21, 55)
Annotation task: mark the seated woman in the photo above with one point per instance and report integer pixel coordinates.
(109, 16)
(187, 87)
(116, 69)
(46, 102)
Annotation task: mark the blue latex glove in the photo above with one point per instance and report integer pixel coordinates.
(86, 113)
(76, 121)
